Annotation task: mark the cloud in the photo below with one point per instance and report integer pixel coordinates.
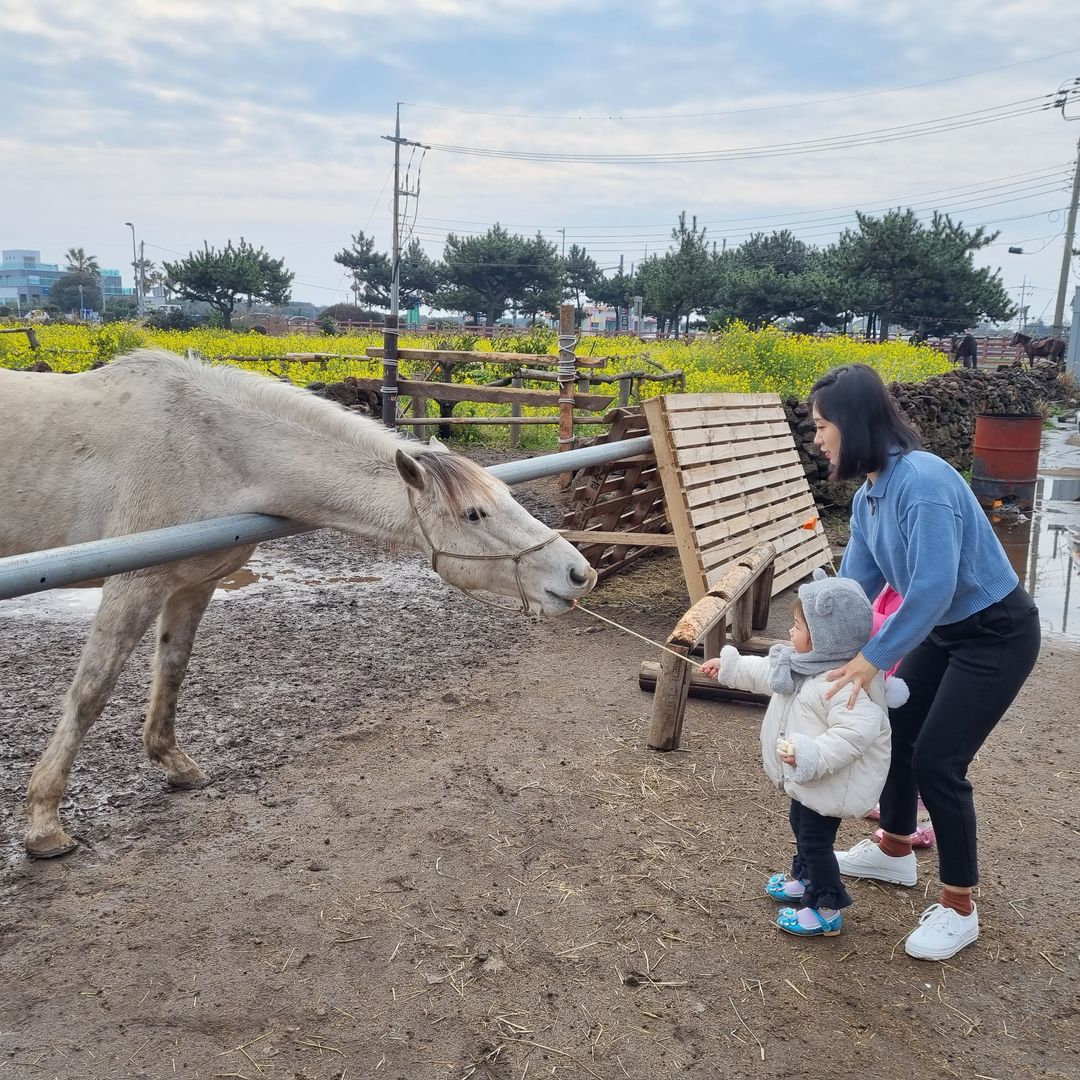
(201, 121)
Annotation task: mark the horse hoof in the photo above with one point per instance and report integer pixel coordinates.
(188, 783)
(50, 847)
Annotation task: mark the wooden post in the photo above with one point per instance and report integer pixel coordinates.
(715, 639)
(446, 408)
(669, 704)
(762, 597)
(515, 410)
(390, 371)
(626, 382)
(567, 371)
(742, 616)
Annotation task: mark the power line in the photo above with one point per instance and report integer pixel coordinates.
(973, 118)
(737, 112)
(988, 185)
(806, 224)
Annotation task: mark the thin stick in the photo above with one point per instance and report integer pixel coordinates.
(747, 1026)
(632, 633)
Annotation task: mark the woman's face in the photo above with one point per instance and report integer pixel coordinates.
(827, 438)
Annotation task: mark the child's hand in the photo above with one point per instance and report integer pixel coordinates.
(785, 751)
(711, 667)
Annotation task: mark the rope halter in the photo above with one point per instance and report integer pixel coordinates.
(516, 556)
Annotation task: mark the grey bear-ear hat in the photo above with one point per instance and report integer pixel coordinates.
(838, 615)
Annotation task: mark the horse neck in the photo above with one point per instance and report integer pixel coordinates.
(326, 468)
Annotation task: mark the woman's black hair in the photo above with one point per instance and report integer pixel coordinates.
(854, 398)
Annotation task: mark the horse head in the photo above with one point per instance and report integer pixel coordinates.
(1017, 339)
(479, 537)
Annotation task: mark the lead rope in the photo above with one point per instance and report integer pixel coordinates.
(810, 525)
(641, 637)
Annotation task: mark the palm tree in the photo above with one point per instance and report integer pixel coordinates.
(78, 262)
(144, 269)
(159, 277)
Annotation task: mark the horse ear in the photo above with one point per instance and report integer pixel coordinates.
(436, 446)
(411, 471)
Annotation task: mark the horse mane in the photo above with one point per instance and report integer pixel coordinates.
(463, 483)
(460, 481)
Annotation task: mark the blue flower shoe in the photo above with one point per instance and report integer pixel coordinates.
(788, 921)
(777, 888)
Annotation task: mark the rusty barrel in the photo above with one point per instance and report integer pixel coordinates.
(1005, 460)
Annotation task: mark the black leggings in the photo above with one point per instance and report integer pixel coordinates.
(962, 679)
(814, 859)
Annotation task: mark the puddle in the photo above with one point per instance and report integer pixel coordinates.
(80, 602)
(1044, 549)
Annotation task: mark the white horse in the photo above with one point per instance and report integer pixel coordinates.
(154, 440)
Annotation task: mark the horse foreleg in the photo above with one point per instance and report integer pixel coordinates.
(127, 608)
(176, 629)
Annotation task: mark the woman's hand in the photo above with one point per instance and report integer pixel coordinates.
(711, 667)
(858, 673)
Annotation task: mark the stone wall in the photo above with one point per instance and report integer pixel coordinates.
(942, 410)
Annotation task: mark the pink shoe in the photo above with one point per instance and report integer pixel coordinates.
(922, 837)
(875, 815)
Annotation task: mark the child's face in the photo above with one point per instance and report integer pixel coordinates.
(800, 633)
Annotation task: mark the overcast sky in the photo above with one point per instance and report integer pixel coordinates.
(209, 121)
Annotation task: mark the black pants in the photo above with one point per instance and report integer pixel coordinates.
(814, 859)
(962, 678)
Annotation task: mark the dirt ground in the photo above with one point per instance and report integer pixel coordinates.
(435, 846)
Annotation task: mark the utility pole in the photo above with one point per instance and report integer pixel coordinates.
(1068, 93)
(135, 269)
(1066, 255)
(563, 231)
(1023, 292)
(390, 330)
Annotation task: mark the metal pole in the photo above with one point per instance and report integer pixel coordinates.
(135, 268)
(390, 332)
(1066, 255)
(37, 571)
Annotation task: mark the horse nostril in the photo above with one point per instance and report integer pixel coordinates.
(579, 577)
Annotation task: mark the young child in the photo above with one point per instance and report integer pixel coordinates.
(830, 759)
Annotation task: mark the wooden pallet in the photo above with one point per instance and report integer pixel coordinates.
(732, 479)
(616, 510)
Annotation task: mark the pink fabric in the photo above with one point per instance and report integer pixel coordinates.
(888, 601)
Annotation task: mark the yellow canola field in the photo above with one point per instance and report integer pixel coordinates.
(738, 360)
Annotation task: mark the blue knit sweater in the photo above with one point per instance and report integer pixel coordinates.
(920, 528)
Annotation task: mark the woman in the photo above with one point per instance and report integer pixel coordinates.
(968, 633)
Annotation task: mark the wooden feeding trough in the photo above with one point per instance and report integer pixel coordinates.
(740, 598)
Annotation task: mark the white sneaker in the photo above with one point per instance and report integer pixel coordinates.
(941, 933)
(867, 860)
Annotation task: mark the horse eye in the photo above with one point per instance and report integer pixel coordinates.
(473, 514)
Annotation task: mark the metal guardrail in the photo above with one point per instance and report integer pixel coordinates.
(55, 568)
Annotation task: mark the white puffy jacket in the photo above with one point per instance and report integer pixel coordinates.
(841, 754)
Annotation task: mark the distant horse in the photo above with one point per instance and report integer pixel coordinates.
(966, 351)
(1053, 349)
(154, 440)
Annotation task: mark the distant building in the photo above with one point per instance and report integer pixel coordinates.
(25, 281)
(599, 318)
